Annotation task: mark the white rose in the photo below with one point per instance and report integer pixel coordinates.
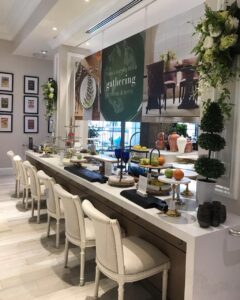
(208, 42)
(50, 96)
(235, 22)
(231, 23)
(214, 32)
(51, 90)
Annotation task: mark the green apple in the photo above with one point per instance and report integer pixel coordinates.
(169, 173)
(155, 163)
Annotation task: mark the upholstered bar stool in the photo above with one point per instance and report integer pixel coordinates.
(38, 192)
(124, 259)
(11, 155)
(79, 230)
(24, 181)
(54, 206)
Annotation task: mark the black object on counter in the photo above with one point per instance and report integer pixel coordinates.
(145, 202)
(30, 143)
(86, 174)
(211, 213)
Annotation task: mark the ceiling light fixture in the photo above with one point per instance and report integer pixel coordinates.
(54, 29)
(44, 52)
(87, 44)
(113, 16)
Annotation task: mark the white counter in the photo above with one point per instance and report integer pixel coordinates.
(212, 256)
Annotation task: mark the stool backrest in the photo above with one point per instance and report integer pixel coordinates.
(34, 181)
(53, 206)
(109, 251)
(74, 216)
(16, 165)
(23, 176)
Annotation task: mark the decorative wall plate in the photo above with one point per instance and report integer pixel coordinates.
(88, 91)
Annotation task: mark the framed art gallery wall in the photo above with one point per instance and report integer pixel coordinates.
(20, 66)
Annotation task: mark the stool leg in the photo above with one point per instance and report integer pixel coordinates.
(33, 207)
(164, 284)
(26, 200)
(97, 278)
(120, 291)
(66, 252)
(82, 266)
(48, 227)
(38, 208)
(24, 195)
(57, 233)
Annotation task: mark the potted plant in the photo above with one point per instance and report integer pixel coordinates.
(212, 124)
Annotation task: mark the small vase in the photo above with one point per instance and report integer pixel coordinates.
(172, 140)
(181, 144)
(189, 146)
(160, 143)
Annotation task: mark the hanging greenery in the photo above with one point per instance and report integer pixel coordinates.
(50, 96)
(217, 46)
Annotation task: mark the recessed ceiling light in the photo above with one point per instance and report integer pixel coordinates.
(86, 0)
(54, 29)
(44, 52)
(87, 44)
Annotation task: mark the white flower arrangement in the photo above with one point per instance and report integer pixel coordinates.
(218, 44)
(50, 96)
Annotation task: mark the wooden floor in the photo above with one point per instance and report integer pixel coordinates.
(32, 268)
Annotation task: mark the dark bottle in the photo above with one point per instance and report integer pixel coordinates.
(30, 143)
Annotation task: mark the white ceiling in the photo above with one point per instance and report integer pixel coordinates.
(28, 23)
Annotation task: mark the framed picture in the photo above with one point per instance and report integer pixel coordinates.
(30, 124)
(6, 103)
(50, 125)
(30, 105)
(31, 85)
(6, 82)
(6, 123)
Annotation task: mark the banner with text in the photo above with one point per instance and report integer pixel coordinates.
(122, 80)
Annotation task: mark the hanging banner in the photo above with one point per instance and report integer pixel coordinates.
(122, 79)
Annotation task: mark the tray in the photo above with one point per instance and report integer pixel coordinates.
(144, 202)
(184, 180)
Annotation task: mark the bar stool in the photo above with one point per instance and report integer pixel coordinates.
(124, 259)
(54, 207)
(24, 181)
(79, 229)
(11, 155)
(38, 191)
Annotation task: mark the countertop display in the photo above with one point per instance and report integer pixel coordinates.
(208, 250)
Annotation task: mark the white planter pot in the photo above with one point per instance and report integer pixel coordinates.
(181, 143)
(204, 191)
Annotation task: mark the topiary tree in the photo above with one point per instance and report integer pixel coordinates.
(212, 124)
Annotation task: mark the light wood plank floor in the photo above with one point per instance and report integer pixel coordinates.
(32, 268)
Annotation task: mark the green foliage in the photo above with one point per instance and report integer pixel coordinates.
(209, 167)
(217, 46)
(212, 120)
(180, 129)
(211, 124)
(50, 96)
(213, 142)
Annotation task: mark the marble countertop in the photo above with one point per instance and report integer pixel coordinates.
(185, 227)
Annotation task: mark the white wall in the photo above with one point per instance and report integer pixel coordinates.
(21, 66)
